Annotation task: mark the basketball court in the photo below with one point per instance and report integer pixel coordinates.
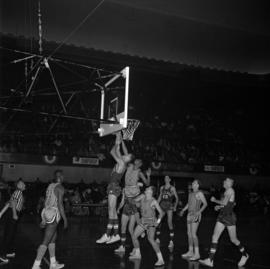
(76, 247)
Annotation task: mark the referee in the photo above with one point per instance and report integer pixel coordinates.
(13, 211)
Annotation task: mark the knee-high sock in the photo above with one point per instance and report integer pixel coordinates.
(242, 250)
(123, 239)
(51, 248)
(109, 227)
(115, 227)
(171, 234)
(213, 250)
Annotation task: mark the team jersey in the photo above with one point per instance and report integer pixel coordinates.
(148, 211)
(194, 204)
(51, 199)
(116, 177)
(227, 209)
(167, 194)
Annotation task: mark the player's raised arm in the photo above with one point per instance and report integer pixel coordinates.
(146, 179)
(115, 151)
(124, 148)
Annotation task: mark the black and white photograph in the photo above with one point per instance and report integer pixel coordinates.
(134, 134)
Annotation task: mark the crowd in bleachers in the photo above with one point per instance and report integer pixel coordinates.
(195, 139)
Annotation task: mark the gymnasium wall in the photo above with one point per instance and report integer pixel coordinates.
(30, 172)
(11, 172)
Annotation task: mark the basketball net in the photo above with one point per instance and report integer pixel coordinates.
(128, 132)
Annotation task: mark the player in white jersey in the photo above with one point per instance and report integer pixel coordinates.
(51, 214)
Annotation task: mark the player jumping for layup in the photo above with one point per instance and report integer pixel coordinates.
(51, 215)
(226, 218)
(114, 190)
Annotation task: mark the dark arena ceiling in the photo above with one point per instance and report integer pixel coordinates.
(224, 35)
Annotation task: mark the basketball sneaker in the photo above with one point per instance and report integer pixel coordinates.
(194, 257)
(3, 259)
(206, 262)
(171, 245)
(57, 266)
(187, 255)
(243, 260)
(113, 239)
(104, 238)
(135, 256)
(160, 262)
(121, 249)
(11, 255)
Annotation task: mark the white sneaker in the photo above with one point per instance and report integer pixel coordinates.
(243, 260)
(57, 265)
(36, 267)
(121, 249)
(206, 262)
(194, 258)
(135, 257)
(132, 252)
(104, 238)
(113, 239)
(160, 262)
(187, 255)
(11, 255)
(4, 259)
(171, 245)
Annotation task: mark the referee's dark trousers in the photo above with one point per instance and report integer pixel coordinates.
(10, 229)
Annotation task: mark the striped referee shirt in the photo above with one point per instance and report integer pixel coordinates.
(17, 197)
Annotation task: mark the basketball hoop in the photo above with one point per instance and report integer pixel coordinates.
(128, 132)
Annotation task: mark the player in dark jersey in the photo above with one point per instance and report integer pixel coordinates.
(225, 219)
(148, 223)
(51, 214)
(195, 200)
(114, 190)
(166, 201)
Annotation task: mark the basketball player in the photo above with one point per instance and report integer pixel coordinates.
(226, 218)
(165, 200)
(128, 217)
(148, 223)
(114, 190)
(51, 214)
(196, 198)
(130, 192)
(13, 211)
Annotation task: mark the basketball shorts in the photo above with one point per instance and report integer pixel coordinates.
(192, 218)
(132, 191)
(147, 223)
(130, 207)
(166, 205)
(227, 220)
(50, 214)
(114, 189)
